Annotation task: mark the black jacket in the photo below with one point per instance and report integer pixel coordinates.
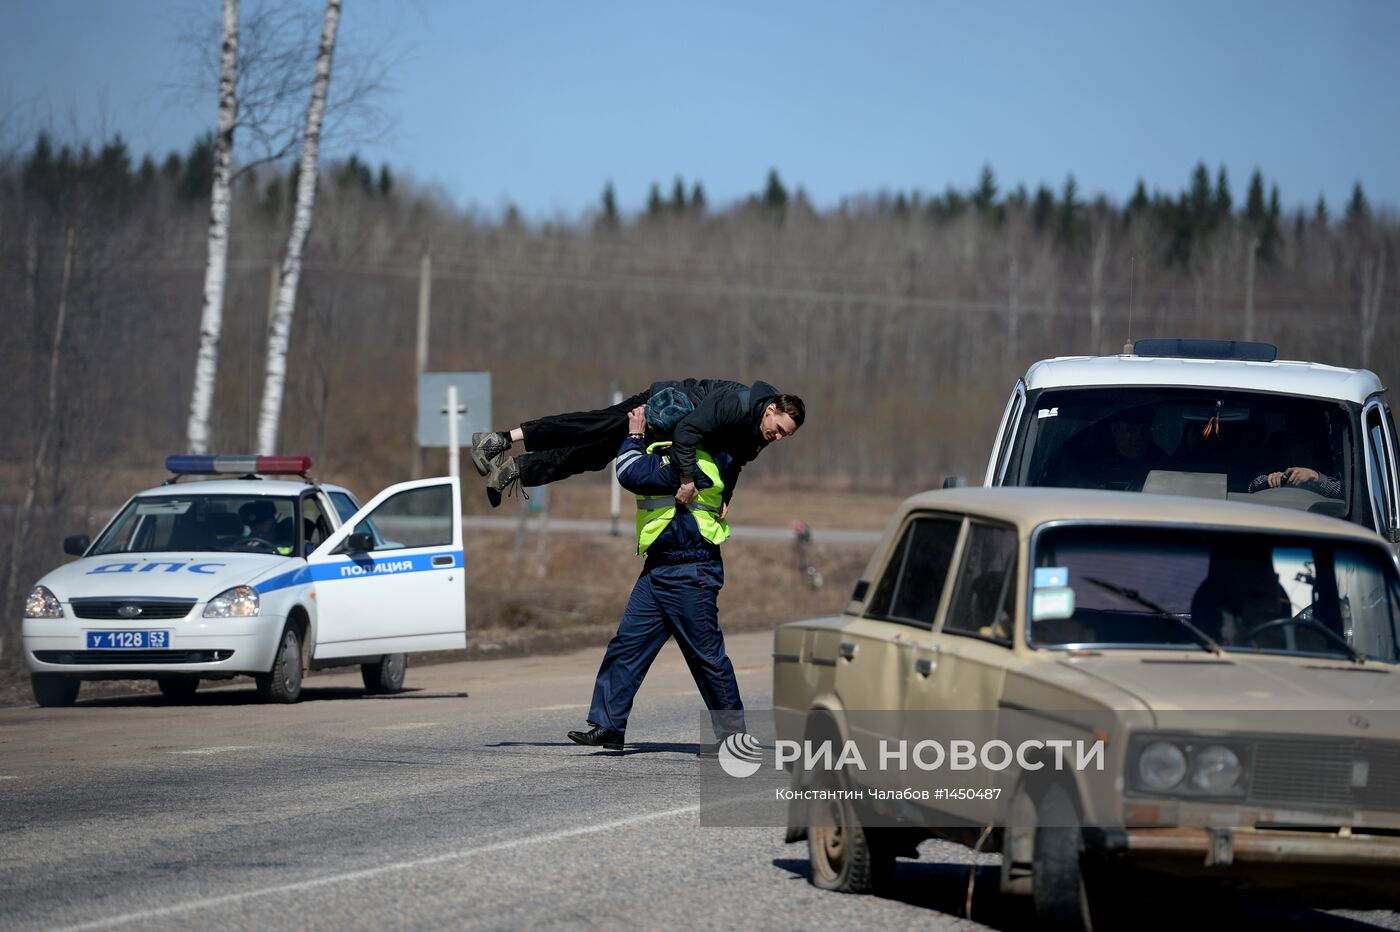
(727, 418)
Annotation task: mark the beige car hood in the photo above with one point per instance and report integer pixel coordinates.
(1200, 682)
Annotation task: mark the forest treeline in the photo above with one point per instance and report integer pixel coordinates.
(902, 318)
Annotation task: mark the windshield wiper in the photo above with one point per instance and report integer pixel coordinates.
(1132, 595)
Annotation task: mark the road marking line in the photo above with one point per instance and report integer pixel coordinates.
(406, 726)
(231, 747)
(299, 886)
(6, 777)
(557, 708)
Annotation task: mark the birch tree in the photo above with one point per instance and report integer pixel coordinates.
(279, 330)
(216, 265)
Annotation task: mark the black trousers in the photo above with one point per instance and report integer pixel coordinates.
(564, 445)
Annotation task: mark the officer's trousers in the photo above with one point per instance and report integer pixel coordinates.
(677, 600)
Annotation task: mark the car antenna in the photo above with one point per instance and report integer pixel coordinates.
(1132, 276)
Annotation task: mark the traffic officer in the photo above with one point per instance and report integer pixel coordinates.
(676, 594)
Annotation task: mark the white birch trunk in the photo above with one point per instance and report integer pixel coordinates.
(279, 332)
(211, 321)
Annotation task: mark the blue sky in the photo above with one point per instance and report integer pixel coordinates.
(541, 103)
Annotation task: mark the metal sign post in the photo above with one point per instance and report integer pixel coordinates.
(466, 393)
(616, 489)
(454, 413)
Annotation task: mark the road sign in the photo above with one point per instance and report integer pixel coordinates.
(473, 392)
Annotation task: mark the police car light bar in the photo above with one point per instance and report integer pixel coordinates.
(191, 465)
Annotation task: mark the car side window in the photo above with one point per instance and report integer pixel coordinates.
(344, 506)
(985, 594)
(419, 517)
(912, 584)
(1380, 470)
(315, 526)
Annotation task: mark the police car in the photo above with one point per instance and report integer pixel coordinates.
(243, 574)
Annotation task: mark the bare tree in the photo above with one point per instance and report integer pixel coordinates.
(1372, 287)
(41, 449)
(215, 268)
(279, 331)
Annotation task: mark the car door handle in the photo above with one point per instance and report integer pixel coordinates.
(445, 559)
(848, 650)
(923, 666)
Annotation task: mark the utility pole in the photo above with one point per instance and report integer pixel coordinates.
(1249, 290)
(425, 296)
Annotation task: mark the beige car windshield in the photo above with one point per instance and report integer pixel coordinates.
(1123, 586)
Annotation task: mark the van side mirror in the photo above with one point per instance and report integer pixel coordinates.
(955, 481)
(76, 544)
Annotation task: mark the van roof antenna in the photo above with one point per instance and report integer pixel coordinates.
(1132, 277)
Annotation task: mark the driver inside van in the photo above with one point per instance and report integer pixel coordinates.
(1305, 471)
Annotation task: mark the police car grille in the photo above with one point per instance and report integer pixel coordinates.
(105, 657)
(1331, 773)
(109, 609)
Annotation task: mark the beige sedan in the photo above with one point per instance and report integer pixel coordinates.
(1220, 680)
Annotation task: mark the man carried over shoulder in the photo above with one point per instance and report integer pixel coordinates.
(724, 416)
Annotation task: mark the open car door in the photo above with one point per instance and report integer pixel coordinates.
(391, 579)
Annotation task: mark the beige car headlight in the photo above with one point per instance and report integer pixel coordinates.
(1162, 765)
(238, 602)
(1215, 770)
(42, 603)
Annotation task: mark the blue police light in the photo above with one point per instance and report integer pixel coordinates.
(188, 464)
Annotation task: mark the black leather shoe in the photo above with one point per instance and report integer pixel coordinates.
(599, 737)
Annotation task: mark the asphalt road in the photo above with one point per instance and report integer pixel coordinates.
(459, 804)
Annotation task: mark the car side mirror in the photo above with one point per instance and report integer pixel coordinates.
(359, 542)
(76, 544)
(955, 481)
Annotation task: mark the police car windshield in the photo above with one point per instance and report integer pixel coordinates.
(1132, 587)
(165, 523)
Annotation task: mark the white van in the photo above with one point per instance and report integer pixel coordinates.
(1206, 418)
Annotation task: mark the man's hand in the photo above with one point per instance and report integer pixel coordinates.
(687, 492)
(1300, 475)
(724, 511)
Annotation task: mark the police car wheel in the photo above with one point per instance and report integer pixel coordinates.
(386, 675)
(54, 689)
(178, 688)
(283, 683)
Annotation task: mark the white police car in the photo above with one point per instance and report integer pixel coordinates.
(252, 576)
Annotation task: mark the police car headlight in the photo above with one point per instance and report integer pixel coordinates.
(42, 604)
(238, 602)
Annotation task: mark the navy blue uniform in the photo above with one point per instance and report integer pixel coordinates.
(676, 595)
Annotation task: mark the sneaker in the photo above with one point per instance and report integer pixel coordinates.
(488, 449)
(505, 477)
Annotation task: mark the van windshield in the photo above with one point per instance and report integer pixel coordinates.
(1135, 587)
(1209, 443)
